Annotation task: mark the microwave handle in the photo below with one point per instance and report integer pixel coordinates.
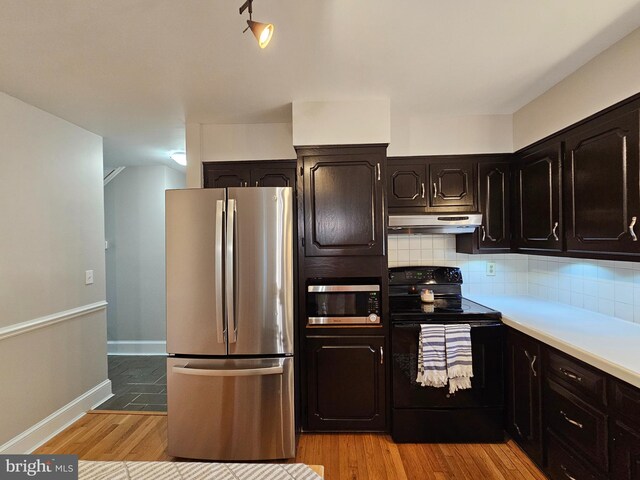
(343, 288)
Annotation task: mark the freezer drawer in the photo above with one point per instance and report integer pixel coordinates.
(231, 409)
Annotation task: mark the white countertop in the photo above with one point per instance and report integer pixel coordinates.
(608, 343)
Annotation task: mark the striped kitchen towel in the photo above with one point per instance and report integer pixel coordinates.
(459, 360)
(432, 363)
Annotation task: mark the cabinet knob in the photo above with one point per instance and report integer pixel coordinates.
(435, 190)
(553, 232)
(484, 233)
(422, 184)
(631, 230)
(381, 356)
(378, 168)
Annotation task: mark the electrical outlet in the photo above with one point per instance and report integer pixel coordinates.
(491, 269)
(88, 277)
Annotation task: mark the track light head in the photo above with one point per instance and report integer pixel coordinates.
(262, 31)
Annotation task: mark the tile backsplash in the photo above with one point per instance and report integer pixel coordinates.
(511, 269)
(611, 288)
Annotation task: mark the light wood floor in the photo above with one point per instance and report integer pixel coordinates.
(138, 436)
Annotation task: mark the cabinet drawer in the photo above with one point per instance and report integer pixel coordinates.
(582, 427)
(577, 376)
(626, 401)
(562, 464)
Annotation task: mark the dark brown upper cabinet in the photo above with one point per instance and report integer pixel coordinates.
(601, 185)
(273, 177)
(264, 173)
(451, 186)
(223, 176)
(539, 221)
(494, 199)
(343, 200)
(433, 184)
(494, 205)
(406, 184)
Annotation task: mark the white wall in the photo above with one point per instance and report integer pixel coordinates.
(211, 143)
(134, 223)
(409, 134)
(341, 123)
(421, 134)
(608, 78)
(51, 231)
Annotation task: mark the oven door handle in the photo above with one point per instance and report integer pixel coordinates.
(417, 325)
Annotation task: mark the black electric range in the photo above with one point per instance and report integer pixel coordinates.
(405, 304)
(427, 414)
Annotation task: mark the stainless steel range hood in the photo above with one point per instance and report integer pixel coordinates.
(433, 223)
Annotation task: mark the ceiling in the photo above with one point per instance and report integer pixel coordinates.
(134, 71)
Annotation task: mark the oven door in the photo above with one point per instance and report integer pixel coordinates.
(487, 384)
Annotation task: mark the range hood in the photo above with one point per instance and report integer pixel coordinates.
(434, 223)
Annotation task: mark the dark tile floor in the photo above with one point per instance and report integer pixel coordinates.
(138, 383)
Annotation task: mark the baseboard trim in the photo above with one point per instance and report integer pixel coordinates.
(46, 429)
(135, 347)
(48, 320)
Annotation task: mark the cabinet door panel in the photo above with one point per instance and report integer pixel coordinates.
(226, 176)
(406, 185)
(494, 198)
(273, 177)
(345, 383)
(524, 414)
(343, 205)
(601, 182)
(625, 453)
(451, 185)
(538, 186)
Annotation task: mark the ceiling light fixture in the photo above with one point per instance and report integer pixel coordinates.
(180, 158)
(262, 31)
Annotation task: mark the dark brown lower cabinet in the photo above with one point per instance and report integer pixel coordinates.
(582, 425)
(589, 425)
(625, 452)
(345, 383)
(524, 389)
(562, 463)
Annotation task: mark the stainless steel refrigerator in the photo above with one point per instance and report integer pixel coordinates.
(230, 323)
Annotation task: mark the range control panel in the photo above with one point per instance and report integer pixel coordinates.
(424, 275)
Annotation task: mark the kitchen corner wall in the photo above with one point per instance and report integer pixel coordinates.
(610, 288)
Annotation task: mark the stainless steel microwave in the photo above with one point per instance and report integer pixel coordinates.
(343, 304)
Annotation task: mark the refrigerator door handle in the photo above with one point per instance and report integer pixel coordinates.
(242, 372)
(219, 259)
(230, 280)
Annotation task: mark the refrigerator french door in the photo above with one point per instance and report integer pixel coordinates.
(230, 323)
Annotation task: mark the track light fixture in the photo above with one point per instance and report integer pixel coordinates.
(262, 31)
